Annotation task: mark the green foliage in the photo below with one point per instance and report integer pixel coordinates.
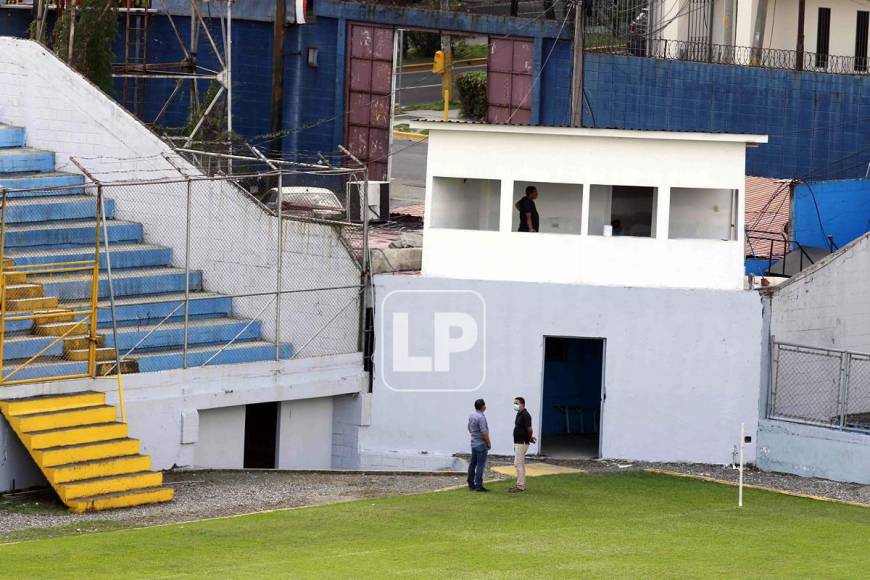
(471, 88)
(96, 28)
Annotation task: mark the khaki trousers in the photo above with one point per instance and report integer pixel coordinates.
(520, 450)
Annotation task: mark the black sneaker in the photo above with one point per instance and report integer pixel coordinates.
(481, 488)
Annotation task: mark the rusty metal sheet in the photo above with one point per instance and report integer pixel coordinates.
(501, 55)
(498, 89)
(379, 111)
(383, 44)
(523, 52)
(521, 91)
(358, 109)
(361, 41)
(360, 75)
(382, 77)
(358, 141)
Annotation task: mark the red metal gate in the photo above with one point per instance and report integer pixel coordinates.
(369, 96)
(509, 81)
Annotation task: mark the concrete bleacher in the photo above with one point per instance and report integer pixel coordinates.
(47, 225)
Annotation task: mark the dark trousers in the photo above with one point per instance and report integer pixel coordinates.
(476, 466)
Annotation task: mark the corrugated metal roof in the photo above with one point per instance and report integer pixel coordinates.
(767, 213)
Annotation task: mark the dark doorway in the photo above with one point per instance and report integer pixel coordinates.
(261, 435)
(573, 388)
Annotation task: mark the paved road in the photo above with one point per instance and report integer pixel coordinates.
(408, 183)
(425, 86)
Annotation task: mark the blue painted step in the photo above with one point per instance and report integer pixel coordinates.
(234, 354)
(123, 256)
(19, 159)
(80, 233)
(39, 184)
(171, 334)
(11, 136)
(60, 208)
(153, 309)
(162, 360)
(124, 282)
(27, 345)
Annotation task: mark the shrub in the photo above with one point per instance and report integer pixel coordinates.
(471, 89)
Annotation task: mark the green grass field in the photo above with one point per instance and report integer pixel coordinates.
(578, 526)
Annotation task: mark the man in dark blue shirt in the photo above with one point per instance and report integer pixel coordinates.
(529, 220)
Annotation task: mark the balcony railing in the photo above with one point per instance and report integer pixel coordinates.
(639, 45)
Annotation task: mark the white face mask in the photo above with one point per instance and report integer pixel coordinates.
(516, 408)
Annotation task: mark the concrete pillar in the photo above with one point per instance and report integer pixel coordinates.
(584, 210)
(506, 209)
(662, 212)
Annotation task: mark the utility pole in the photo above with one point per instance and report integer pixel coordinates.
(799, 59)
(758, 33)
(278, 74)
(577, 80)
(515, 7)
(447, 50)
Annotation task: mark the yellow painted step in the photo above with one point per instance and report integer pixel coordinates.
(104, 485)
(73, 435)
(54, 456)
(14, 291)
(53, 315)
(107, 368)
(100, 468)
(15, 278)
(103, 354)
(121, 500)
(63, 418)
(60, 328)
(8, 263)
(81, 342)
(30, 304)
(47, 403)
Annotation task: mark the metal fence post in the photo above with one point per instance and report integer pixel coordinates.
(121, 404)
(280, 257)
(186, 277)
(845, 375)
(95, 289)
(2, 281)
(774, 377)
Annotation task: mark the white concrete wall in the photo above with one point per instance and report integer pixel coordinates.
(827, 305)
(234, 241)
(170, 412)
(470, 204)
(782, 19)
(702, 214)
(305, 434)
(559, 205)
(17, 470)
(813, 451)
(682, 369)
(587, 156)
(221, 438)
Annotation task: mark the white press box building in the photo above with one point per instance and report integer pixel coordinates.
(642, 345)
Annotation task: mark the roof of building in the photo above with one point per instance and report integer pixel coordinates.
(461, 125)
(767, 213)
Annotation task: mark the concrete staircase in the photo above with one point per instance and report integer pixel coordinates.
(52, 226)
(84, 453)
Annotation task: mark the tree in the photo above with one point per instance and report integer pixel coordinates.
(96, 28)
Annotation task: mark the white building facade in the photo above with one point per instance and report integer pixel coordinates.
(639, 346)
(835, 31)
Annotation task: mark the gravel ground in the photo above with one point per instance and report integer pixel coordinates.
(208, 494)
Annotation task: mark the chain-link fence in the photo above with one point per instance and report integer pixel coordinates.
(174, 269)
(820, 387)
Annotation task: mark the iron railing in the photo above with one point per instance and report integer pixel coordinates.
(777, 248)
(820, 386)
(706, 52)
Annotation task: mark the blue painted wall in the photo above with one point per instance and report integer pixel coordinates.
(817, 122)
(843, 210)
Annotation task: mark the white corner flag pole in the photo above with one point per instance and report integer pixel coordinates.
(740, 485)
